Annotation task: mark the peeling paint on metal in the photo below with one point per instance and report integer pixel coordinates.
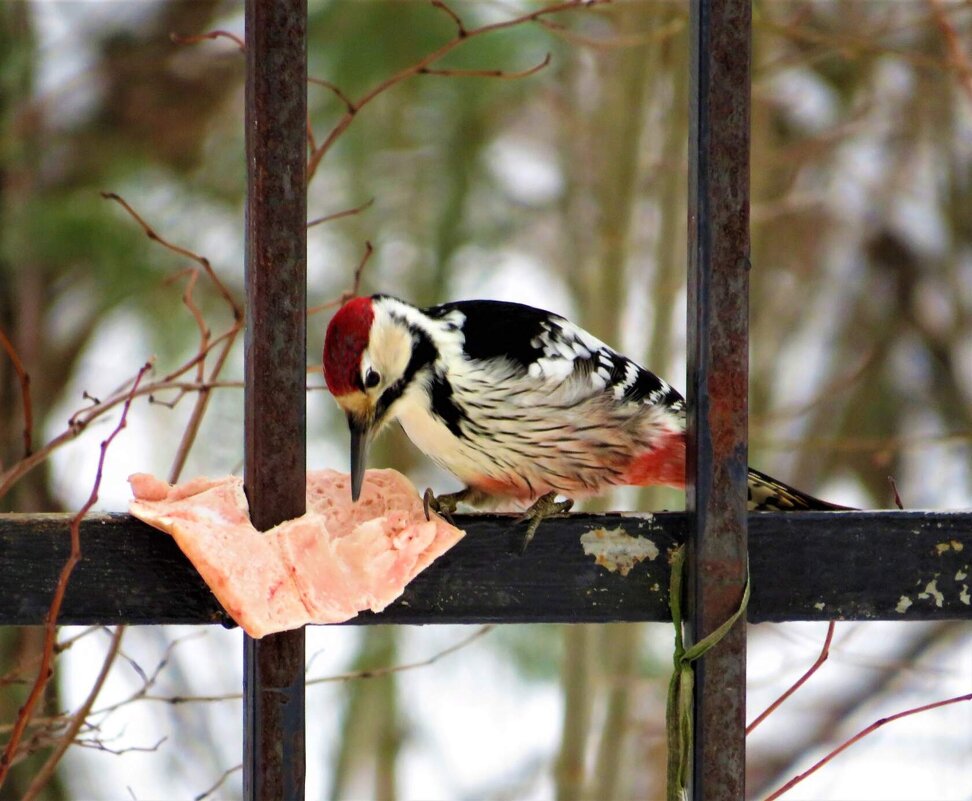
(960, 575)
(951, 545)
(903, 603)
(932, 591)
(819, 605)
(964, 596)
(617, 550)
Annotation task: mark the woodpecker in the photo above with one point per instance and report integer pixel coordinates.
(520, 404)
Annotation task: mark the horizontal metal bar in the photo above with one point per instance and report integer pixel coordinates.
(804, 566)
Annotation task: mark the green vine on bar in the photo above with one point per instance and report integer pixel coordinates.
(678, 712)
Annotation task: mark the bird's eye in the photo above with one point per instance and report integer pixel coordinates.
(372, 379)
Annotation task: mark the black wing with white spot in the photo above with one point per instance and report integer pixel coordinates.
(549, 349)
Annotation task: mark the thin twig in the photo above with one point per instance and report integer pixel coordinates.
(506, 75)
(191, 430)
(24, 377)
(148, 680)
(425, 62)
(359, 271)
(460, 28)
(373, 673)
(850, 45)
(77, 720)
(204, 332)
(894, 493)
(824, 653)
(99, 745)
(199, 410)
(17, 471)
(200, 260)
(311, 141)
(860, 735)
(50, 624)
(185, 388)
(376, 673)
(14, 676)
(202, 37)
(340, 214)
(953, 44)
(618, 40)
(355, 285)
(219, 783)
(80, 420)
(202, 387)
(348, 102)
(184, 368)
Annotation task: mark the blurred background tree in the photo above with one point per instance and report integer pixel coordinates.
(565, 189)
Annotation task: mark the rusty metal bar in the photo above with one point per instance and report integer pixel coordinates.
(275, 345)
(718, 367)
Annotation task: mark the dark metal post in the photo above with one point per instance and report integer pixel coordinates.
(718, 367)
(275, 409)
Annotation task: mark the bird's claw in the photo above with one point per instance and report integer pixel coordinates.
(545, 506)
(444, 505)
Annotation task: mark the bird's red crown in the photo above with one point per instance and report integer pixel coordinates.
(345, 341)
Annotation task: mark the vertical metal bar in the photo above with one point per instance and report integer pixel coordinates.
(275, 372)
(718, 367)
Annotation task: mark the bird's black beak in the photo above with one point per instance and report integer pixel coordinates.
(359, 454)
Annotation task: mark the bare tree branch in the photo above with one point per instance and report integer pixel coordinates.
(202, 37)
(953, 43)
(348, 103)
(24, 378)
(50, 626)
(77, 720)
(460, 28)
(374, 673)
(348, 293)
(201, 260)
(340, 214)
(424, 63)
(501, 74)
(861, 735)
(219, 782)
(824, 653)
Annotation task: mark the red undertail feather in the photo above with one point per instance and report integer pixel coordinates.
(664, 464)
(503, 488)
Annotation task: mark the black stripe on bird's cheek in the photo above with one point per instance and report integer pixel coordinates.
(444, 405)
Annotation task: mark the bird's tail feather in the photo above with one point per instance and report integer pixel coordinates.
(766, 494)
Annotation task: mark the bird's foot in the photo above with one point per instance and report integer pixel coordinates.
(444, 505)
(545, 506)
